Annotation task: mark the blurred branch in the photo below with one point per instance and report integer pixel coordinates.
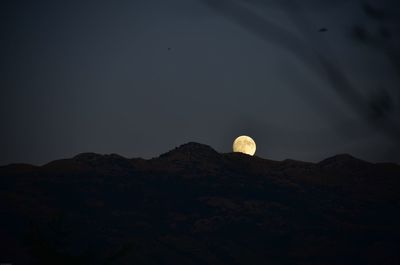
(375, 112)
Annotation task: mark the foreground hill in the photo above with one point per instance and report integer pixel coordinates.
(194, 205)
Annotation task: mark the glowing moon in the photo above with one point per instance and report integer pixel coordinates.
(244, 144)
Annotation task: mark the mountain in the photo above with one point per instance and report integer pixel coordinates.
(193, 205)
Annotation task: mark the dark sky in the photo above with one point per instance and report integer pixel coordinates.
(138, 78)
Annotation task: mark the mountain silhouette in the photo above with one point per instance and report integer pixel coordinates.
(193, 205)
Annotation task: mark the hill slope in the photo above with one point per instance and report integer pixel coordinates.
(193, 205)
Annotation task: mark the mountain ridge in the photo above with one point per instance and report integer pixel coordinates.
(195, 206)
(185, 151)
(194, 160)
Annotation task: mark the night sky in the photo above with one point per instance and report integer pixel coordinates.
(139, 78)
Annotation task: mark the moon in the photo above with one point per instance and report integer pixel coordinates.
(244, 144)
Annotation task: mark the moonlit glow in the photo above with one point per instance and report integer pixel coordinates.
(244, 144)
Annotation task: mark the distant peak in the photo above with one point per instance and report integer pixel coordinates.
(194, 145)
(191, 149)
(95, 156)
(86, 157)
(98, 160)
(345, 156)
(342, 159)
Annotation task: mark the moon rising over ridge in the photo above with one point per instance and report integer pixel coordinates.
(244, 144)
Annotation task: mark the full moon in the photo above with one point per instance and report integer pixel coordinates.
(244, 144)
